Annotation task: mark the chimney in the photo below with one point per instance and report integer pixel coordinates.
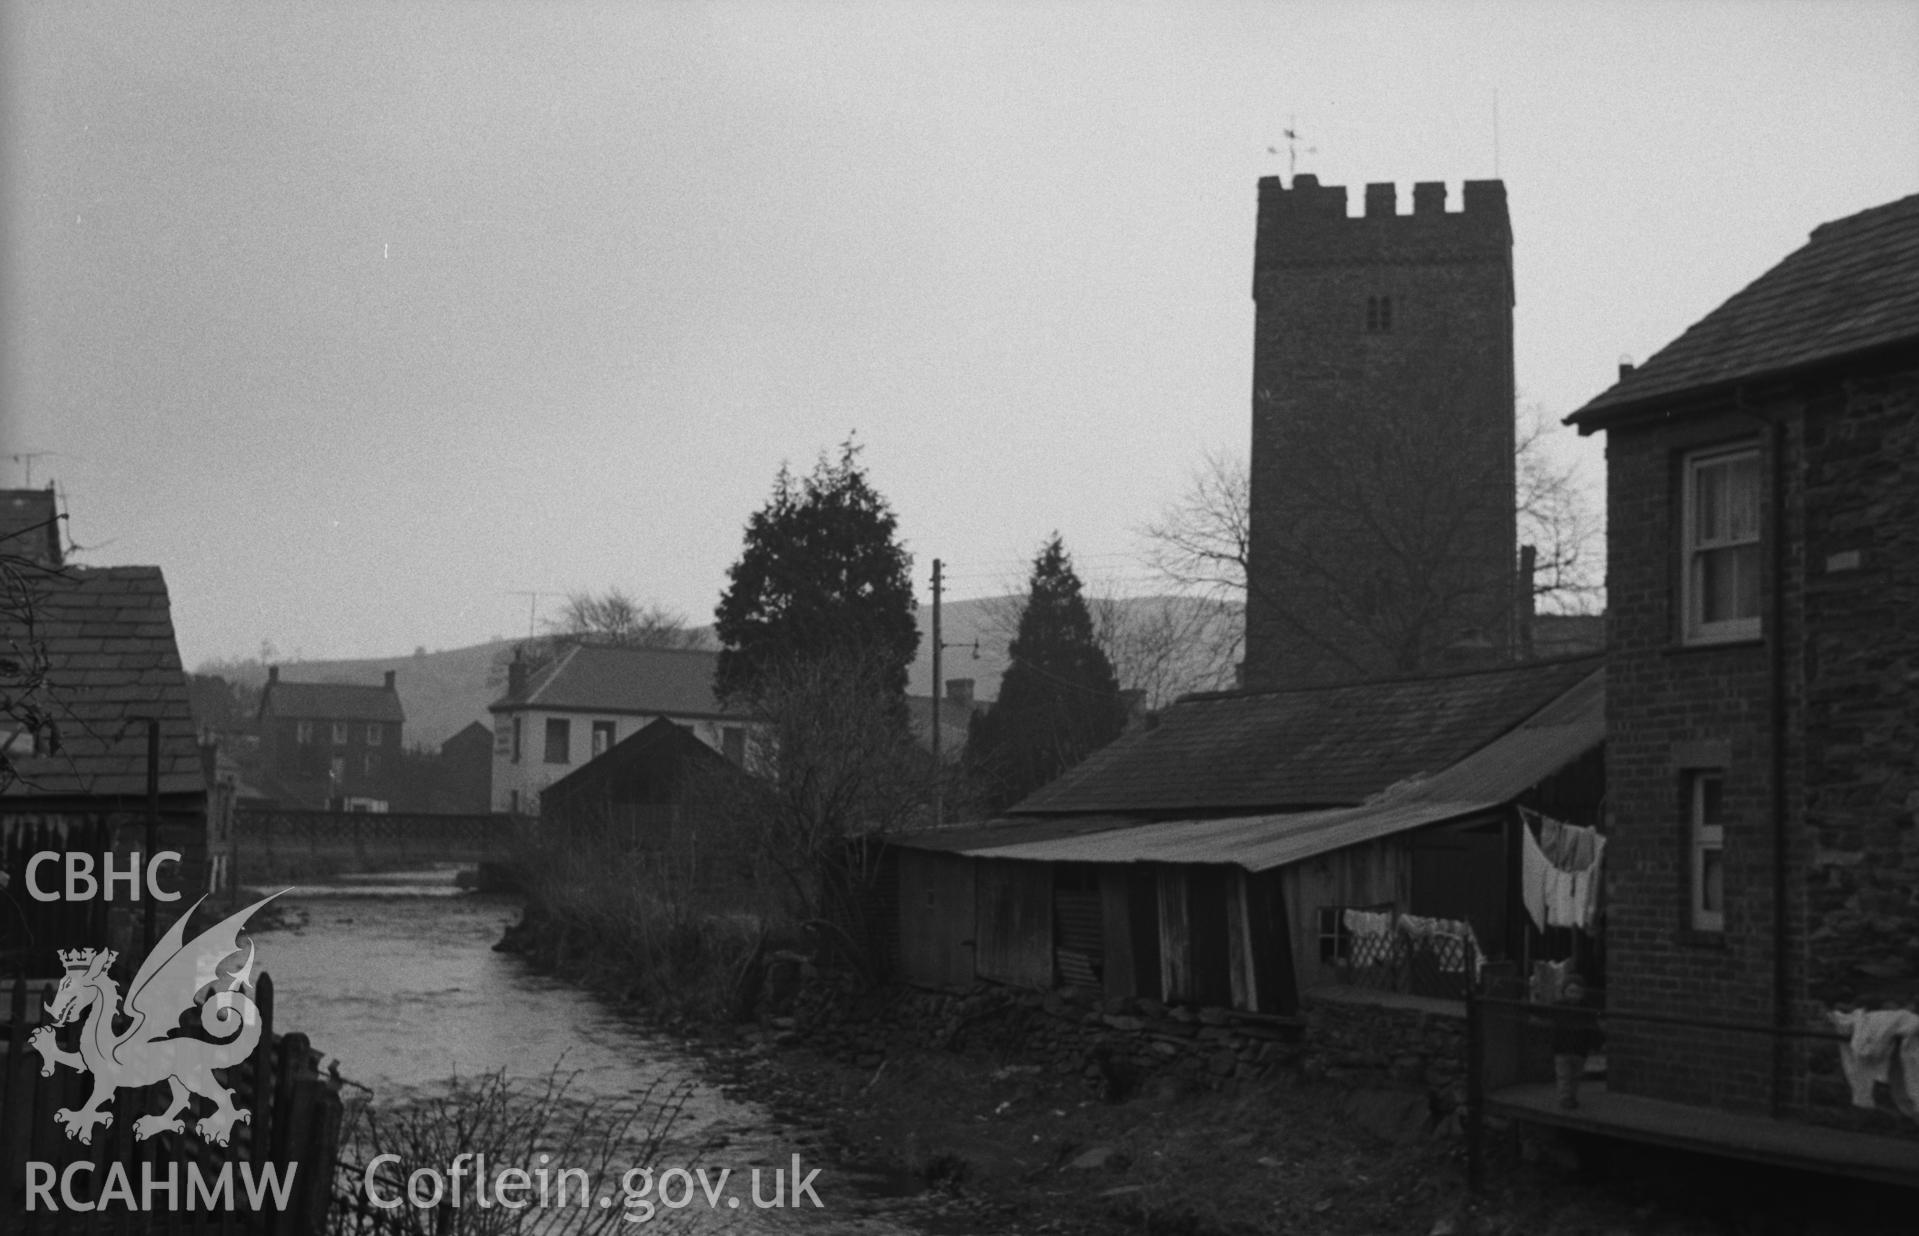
(960, 691)
(1133, 701)
(390, 675)
(1625, 369)
(516, 676)
(1523, 603)
(273, 674)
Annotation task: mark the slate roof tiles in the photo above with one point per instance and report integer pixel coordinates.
(1852, 288)
(1303, 749)
(107, 634)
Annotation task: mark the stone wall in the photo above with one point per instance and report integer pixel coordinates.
(1119, 1045)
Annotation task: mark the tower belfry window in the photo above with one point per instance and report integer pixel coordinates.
(1379, 315)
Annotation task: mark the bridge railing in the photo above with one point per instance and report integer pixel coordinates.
(271, 844)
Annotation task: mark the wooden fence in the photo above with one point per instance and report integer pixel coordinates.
(294, 1129)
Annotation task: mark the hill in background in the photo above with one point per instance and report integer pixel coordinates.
(444, 692)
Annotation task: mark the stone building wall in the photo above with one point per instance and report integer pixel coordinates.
(1850, 662)
(1362, 424)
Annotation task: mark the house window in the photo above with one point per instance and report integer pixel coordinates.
(602, 737)
(558, 736)
(303, 733)
(339, 733)
(1379, 315)
(375, 735)
(1706, 828)
(1335, 945)
(1721, 545)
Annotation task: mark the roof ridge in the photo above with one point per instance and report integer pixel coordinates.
(1449, 676)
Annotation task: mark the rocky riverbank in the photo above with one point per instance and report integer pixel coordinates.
(997, 1111)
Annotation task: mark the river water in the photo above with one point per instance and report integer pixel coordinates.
(395, 978)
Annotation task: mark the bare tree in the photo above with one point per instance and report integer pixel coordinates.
(834, 767)
(1560, 519)
(1397, 491)
(613, 617)
(1169, 646)
(28, 721)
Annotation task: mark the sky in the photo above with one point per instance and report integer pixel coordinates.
(365, 320)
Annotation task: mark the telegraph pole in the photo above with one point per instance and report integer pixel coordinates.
(939, 797)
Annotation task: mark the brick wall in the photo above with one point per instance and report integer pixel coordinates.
(1382, 469)
(1850, 656)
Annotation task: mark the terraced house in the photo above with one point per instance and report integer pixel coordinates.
(1763, 714)
(330, 744)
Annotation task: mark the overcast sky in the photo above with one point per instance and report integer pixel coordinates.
(361, 318)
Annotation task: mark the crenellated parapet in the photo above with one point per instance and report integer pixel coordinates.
(1307, 224)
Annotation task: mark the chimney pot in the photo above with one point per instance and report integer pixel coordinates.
(516, 676)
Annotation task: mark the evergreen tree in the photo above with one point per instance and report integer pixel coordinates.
(822, 574)
(1059, 698)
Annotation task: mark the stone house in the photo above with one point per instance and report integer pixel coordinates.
(330, 744)
(93, 782)
(1763, 759)
(1209, 858)
(591, 697)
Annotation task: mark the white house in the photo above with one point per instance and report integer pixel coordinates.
(556, 718)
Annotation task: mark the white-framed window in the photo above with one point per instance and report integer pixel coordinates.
(559, 736)
(339, 733)
(1720, 542)
(1706, 835)
(375, 734)
(602, 737)
(303, 733)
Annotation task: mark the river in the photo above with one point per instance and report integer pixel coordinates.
(395, 978)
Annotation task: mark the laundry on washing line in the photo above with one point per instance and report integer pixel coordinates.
(1559, 871)
(1883, 1047)
(1367, 922)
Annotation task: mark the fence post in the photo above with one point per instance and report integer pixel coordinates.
(1475, 1091)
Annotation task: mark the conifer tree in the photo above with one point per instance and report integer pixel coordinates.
(822, 574)
(1059, 699)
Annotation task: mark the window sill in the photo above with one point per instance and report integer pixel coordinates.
(1682, 648)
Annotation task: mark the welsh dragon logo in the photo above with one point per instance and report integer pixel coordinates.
(153, 1046)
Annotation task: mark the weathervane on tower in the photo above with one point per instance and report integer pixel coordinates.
(1293, 139)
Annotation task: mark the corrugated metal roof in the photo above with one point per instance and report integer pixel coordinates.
(1854, 286)
(1565, 729)
(1302, 749)
(111, 662)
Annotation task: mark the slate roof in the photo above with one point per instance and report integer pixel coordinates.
(1566, 728)
(331, 701)
(28, 525)
(1852, 288)
(1248, 751)
(648, 765)
(111, 662)
(675, 682)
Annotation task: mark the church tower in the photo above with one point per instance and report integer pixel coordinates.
(1382, 534)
